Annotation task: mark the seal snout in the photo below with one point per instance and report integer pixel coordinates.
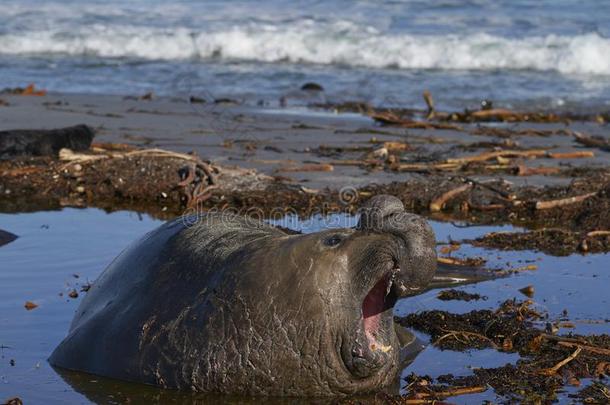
(416, 257)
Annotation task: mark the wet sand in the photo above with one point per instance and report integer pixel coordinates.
(279, 141)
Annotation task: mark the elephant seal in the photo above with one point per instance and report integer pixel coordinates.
(232, 305)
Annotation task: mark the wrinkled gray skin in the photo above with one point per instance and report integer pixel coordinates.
(230, 305)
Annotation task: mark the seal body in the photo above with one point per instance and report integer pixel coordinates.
(228, 304)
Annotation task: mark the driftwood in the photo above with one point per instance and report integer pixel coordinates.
(29, 90)
(312, 167)
(522, 170)
(437, 204)
(571, 155)
(502, 114)
(598, 233)
(389, 118)
(430, 103)
(545, 205)
(499, 154)
(592, 141)
(44, 142)
(553, 370)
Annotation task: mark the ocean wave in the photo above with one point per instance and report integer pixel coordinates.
(340, 43)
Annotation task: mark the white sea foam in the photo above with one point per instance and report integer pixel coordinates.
(339, 42)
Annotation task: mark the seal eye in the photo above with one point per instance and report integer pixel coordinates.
(333, 240)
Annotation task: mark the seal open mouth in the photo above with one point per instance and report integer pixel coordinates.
(380, 298)
(369, 347)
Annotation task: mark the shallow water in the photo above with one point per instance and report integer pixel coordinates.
(56, 246)
(525, 53)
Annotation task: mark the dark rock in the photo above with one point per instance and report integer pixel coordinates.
(310, 86)
(6, 237)
(44, 142)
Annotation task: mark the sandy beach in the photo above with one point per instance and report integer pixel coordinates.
(280, 142)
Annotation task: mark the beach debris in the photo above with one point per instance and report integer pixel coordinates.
(469, 261)
(44, 142)
(311, 86)
(438, 203)
(498, 155)
(430, 104)
(449, 248)
(510, 132)
(29, 305)
(29, 90)
(553, 370)
(571, 155)
(556, 241)
(13, 401)
(523, 170)
(308, 167)
(458, 295)
(494, 161)
(592, 141)
(197, 100)
(486, 114)
(73, 293)
(545, 205)
(529, 267)
(273, 149)
(391, 118)
(487, 104)
(147, 96)
(527, 291)
(547, 362)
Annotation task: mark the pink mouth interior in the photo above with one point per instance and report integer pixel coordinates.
(372, 307)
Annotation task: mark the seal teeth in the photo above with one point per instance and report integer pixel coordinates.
(387, 290)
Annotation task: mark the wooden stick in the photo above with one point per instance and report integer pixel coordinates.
(497, 113)
(592, 349)
(553, 370)
(595, 142)
(545, 205)
(430, 103)
(454, 333)
(598, 233)
(571, 155)
(313, 167)
(390, 118)
(409, 167)
(523, 170)
(460, 262)
(453, 392)
(503, 153)
(522, 268)
(437, 204)
(163, 153)
(22, 171)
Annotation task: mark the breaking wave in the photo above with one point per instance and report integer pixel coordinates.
(339, 43)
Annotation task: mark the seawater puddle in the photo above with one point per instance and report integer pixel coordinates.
(55, 246)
